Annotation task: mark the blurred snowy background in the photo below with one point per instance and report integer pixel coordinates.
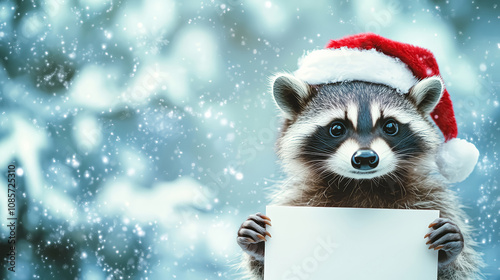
(143, 131)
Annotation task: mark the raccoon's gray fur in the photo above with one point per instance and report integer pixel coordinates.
(410, 180)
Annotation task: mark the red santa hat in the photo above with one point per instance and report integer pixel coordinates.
(372, 58)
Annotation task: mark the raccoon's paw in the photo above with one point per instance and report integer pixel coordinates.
(446, 237)
(251, 235)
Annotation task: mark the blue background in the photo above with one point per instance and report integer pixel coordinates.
(143, 131)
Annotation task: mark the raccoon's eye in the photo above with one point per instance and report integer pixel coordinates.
(337, 129)
(391, 127)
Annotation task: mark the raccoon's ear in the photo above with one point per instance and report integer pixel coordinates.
(426, 94)
(289, 94)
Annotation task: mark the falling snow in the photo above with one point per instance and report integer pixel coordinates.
(143, 131)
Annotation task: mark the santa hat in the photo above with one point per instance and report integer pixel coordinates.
(372, 58)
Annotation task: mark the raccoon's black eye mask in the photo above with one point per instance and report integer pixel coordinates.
(338, 128)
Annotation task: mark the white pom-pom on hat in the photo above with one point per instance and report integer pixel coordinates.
(456, 159)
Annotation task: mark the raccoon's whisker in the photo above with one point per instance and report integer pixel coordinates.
(337, 177)
(322, 154)
(328, 186)
(316, 161)
(326, 172)
(349, 180)
(317, 165)
(355, 188)
(326, 143)
(334, 177)
(340, 178)
(397, 179)
(402, 141)
(402, 151)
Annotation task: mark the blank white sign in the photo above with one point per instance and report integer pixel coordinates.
(319, 243)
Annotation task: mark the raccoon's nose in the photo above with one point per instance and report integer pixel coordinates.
(364, 160)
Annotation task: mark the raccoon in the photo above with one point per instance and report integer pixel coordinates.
(366, 145)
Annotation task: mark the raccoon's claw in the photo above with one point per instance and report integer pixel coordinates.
(264, 217)
(252, 235)
(446, 237)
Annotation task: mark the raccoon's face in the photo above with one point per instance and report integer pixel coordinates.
(356, 129)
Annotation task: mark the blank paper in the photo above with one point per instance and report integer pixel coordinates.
(319, 243)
